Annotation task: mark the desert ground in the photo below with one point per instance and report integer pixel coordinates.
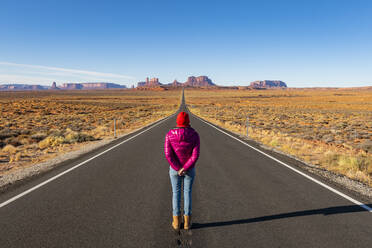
(327, 128)
(37, 126)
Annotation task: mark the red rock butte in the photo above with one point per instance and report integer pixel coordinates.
(201, 81)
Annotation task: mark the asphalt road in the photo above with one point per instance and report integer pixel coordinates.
(122, 198)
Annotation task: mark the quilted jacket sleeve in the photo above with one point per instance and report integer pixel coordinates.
(169, 154)
(195, 154)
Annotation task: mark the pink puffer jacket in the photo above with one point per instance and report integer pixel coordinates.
(182, 147)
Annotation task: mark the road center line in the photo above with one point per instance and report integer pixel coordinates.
(293, 169)
(78, 165)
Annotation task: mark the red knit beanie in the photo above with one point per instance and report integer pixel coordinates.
(183, 120)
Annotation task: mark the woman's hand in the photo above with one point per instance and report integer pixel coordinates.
(181, 172)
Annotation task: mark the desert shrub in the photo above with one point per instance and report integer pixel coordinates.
(266, 140)
(362, 163)
(83, 137)
(71, 136)
(18, 156)
(10, 149)
(274, 142)
(330, 159)
(353, 166)
(288, 148)
(51, 141)
(100, 131)
(305, 149)
(369, 166)
(77, 137)
(346, 163)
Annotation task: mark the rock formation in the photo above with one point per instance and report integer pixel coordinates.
(176, 83)
(54, 86)
(268, 84)
(153, 82)
(201, 81)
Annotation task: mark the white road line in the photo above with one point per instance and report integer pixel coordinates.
(294, 169)
(78, 165)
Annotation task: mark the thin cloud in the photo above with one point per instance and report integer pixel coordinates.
(73, 71)
(62, 74)
(19, 79)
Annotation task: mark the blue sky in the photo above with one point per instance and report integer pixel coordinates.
(304, 43)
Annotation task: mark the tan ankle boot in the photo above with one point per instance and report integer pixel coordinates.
(187, 222)
(176, 222)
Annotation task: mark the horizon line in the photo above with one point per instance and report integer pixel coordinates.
(288, 87)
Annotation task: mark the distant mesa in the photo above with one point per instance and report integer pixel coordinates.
(268, 84)
(201, 81)
(14, 87)
(71, 86)
(91, 86)
(65, 86)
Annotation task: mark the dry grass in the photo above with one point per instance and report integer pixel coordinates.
(328, 128)
(36, 126)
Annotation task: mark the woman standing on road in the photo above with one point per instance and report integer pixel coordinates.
(181, 149)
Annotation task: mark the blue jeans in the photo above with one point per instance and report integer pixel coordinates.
(176, 182)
